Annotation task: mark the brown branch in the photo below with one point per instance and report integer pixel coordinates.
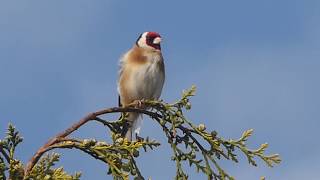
(91, 116)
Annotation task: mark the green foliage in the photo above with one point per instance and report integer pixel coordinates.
(7, 150)
(185, 139)
(191, 144)
(3, 168)
(44, 170)
(119, 155)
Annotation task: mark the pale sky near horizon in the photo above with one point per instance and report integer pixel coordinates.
(255, 64)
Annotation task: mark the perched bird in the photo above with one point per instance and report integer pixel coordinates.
(141, 77)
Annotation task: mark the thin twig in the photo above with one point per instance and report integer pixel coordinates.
(73, 145)
(136, 167)
(104, 122)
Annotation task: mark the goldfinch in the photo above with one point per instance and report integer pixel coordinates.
(141, 77)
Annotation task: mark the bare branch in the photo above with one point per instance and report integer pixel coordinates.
(91, 116)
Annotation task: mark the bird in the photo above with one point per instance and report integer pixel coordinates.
(141, 77)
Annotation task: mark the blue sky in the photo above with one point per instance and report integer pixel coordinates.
(255, 64)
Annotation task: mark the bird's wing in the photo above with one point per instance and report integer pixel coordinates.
(121, 68)
(119, 101)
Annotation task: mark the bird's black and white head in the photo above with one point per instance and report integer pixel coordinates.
(149, 40)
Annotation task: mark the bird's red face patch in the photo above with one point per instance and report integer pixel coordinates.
(150, 38)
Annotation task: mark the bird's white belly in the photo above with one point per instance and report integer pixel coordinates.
(147, 82)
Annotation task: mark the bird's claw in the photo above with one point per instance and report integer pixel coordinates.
(139, 103)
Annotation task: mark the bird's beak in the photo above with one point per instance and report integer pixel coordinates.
(157, 40)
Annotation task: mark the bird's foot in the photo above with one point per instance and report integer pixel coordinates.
(139, 103)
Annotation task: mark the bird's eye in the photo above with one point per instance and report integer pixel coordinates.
(149, 39)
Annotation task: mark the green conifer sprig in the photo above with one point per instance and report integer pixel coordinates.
(191, 144)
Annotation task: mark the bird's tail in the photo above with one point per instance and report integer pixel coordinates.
(131, 125)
